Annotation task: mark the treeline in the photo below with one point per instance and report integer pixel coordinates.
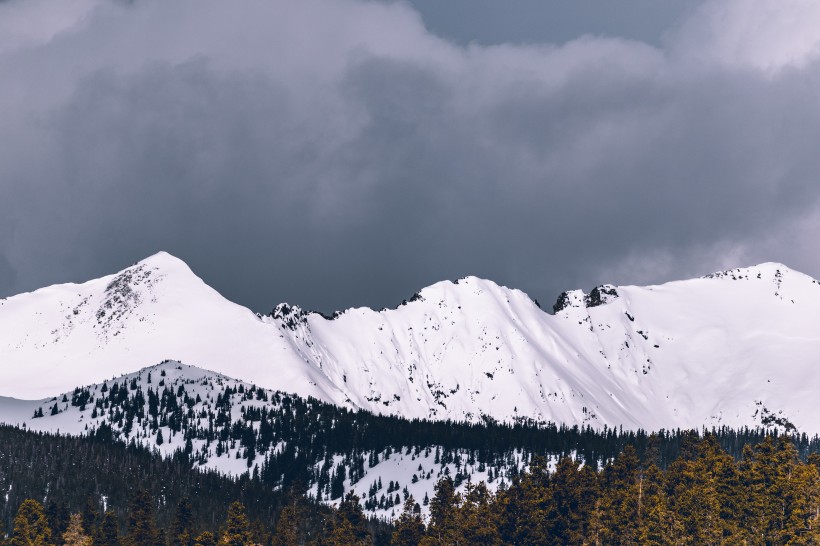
(298, 523)
(33, 526)
(766, 497)
(706, 496)
(70, 474)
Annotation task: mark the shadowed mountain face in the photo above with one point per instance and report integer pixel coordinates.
(734, 348)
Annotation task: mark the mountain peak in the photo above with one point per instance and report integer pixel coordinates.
(472, 288)
(164, 262)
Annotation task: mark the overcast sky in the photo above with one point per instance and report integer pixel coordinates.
(336, 153)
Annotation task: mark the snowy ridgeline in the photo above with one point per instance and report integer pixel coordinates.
(713, 351)
(235, 428)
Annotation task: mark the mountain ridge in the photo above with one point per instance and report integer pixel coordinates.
(698, 352)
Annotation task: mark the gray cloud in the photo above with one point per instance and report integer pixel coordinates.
(552, 21)
(336, 153)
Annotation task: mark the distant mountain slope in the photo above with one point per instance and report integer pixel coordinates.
(58, 337)
(217, 423)
(735, 348)
(212, 422)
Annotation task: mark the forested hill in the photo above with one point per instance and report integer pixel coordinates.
(93, 475)
(705, 496)
(269, 441)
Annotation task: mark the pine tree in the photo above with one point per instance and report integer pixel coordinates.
(443, 508)
(337, 483)
(75, 534)
(476, 521)
(142, 528)
(90, 514)
(108, 534)
(409, 527)
(347, 526)
(776, 463)
(237, 527)
(182, 533)
(655, 526)
(288, 526)
(30, 526)
(572, 493)
(351, 511)
(523, 507)
(205, 539)
(621, 499)
(57, 514)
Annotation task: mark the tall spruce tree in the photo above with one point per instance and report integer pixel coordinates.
(620, 500)
(655, 526)
(237, 530)
(409, 527)
(90, 514)
(75, 534)
(287, 527)
(205, 539)
(290, 525)
(523, 517)
(182, 532)
(31, 526)
(57, 514)
(476, 521)
(572, 495)
(443, 507)
(108, 533)
(142, 527)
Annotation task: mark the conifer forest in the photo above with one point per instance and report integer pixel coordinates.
(682, 487)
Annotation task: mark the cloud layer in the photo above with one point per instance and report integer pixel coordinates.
(336, 153)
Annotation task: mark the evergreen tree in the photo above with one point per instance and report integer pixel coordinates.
(351, 511)
(205, 539)
(108, 534)
(347, 526)
(443, 508)
(785, 507)
(142, 528)
(287, 527)
(31, 526)
(182, 533)
(523, 507)
(337, 483)
(572, 494)
(75, 534)
(290, 527)
(476, 522)
(655, 526)
(90, 514)
(620, 500)
(237, 527)
(409, 527)
(57, 514)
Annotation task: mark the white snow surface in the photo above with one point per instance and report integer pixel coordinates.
(727, 349)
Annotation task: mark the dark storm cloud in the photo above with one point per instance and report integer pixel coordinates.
(550, 21)
(335, 153)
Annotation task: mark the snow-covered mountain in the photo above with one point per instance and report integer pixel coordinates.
(734, 348)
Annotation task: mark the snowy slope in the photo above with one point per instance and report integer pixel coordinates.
(733, 348)
(58, 337)
(208, 407)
